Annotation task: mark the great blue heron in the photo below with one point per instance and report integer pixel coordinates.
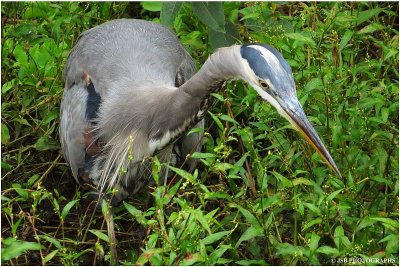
(132, 91)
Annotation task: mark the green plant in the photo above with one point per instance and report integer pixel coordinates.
(260, 195)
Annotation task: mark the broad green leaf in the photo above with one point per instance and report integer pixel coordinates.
(250, 233)
(217, 195)
(191, 259)
(314, 242)
(328, 250)
(217, 121)
(304, 181)
(50, 116)
(285, 182)
(145, 256)
(52, 240)
(7, 86)
(229, 119)
(210, 239)
(152, 6)
(198, 214)
(217, 254)
(333, 195)
(50, 256)
(301, 37)
(387, 222)
(183, 173)
(217, 39)
(370, 28)
(45, 143)
(250, 218)
(340, 238)
(200, 155)
(138, 214)
(211, 14)
(67, 208)
(20, 54)
(311, 223)
(13, 248)
(345, 40)
(100, 235)
(314, 84)
(5, 134)
(392, 244)
(15, 226)
(169, 11)
(33, 179)
(367, 14)
(252, 262)
(172, 191)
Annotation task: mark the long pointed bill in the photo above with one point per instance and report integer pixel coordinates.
(296, 116)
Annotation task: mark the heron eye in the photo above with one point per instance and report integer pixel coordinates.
(263, 84)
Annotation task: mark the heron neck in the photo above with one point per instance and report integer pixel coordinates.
(223, 65)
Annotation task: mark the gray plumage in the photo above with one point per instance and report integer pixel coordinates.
(147, 96)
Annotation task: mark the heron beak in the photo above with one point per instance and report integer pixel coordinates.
(293, 111)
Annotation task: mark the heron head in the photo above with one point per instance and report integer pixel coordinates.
(271, 76)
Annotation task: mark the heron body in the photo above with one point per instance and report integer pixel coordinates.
(132, 92)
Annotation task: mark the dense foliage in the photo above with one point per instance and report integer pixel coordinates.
(260, 194)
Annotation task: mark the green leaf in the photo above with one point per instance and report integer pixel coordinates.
(183, 174)
(50, 116)
(328, 251)
(67, 208)
(191, 259)
(285, 182)
(45, 143)
(7, 86)
(13, 248)
(217, 254)
(152, 6)
(229, 119)
(314, 242)
(250, 233)
(345, 40)
(198, 214)
(370, 28)
(137, 214)
(312, 222)
(211, 14)
(340, 238)
(387, 223)
(100, 235)
(252, 262)
(145, 256)
(169, 11)
(250, 218)
(304, 181)
(217, 121)
(200, 155)
(52, 240)
(313, 208)
(217, 39)
(50, 256)
(367, 14)
(214, 237)
(301, 37)
(333, 195)
(20, 55)
(5, 134)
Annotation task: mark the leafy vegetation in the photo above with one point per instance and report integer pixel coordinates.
(260, 195)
